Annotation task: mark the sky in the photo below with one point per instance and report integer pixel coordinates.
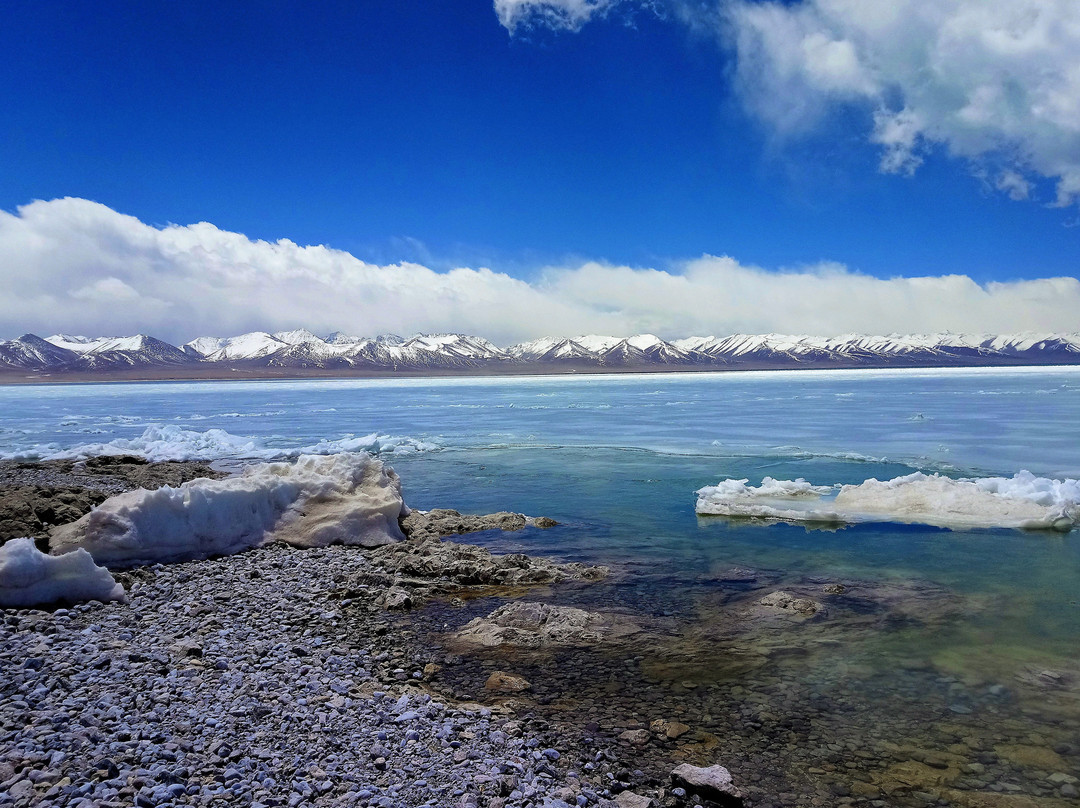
(518, 168)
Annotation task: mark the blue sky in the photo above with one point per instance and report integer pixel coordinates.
(429, 132)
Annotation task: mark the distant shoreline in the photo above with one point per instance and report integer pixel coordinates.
(14, 377)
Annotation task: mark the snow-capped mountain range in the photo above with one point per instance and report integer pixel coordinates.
(305, 352)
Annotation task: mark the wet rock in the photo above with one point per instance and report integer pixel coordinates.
(502, 682)
(396, 599)
(439, 522)
(466, 564)
(711, 783)
(528, 624)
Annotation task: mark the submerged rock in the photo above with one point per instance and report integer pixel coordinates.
(669, 729)
(712, 783)
(785, 601)
(502, 682)
(638, 737)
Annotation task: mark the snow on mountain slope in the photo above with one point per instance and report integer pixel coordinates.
(547, 349)
(443, 350)
(301, 348)
(597, 343)
(253, 345)
(297, 337)
(1023, 343)
(341, 338)
(105, 352)
(32, 352)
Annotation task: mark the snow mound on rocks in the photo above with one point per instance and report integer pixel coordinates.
(28, 577)
(348, 498)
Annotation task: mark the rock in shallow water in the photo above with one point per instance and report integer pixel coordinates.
(528, 624)
(713, 783)
(785, 601)
(468, 564)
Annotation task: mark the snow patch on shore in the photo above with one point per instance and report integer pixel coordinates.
(171, 442)
(28, 577)
(348, 498)
(1021, 501)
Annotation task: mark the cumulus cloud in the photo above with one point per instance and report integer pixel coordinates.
(995, 81)
(78, 266)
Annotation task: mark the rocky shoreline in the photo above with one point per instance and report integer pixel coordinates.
(38, 495)
(253, 679)
(281, 677)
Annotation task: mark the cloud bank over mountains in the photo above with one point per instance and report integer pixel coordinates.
(992, 82)
(79, 266)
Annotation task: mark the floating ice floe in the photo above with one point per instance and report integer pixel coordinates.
(1021, 501)
(349, 498)
(28, 577)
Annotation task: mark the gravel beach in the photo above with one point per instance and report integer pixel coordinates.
(278, 676)
(249, 680)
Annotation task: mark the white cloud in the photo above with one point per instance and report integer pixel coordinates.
(994, 81)
(1013, 184)
(557, 14)
(77, 266)
(106, 290)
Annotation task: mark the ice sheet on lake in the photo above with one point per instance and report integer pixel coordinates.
(171, 442)
(28, 577)
(1021, 501)
(348, 498)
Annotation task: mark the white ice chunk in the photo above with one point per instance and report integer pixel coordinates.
(1021, 501)
(28, 577)
(795, 500)
(348, 498)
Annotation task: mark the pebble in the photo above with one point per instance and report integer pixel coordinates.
(218, 686)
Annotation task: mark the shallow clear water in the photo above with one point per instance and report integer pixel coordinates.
(617, 459)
